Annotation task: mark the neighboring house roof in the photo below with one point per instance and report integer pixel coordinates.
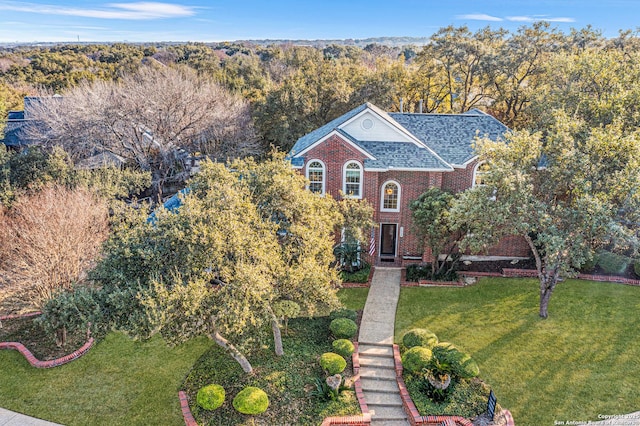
(433, 142)
(102, 159)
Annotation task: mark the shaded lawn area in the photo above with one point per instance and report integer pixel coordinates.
(353, 298)
(119, 381)
(582, 361)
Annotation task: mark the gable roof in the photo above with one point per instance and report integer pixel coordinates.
(440, 141)
(452, 135)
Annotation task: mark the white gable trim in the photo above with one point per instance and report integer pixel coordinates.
(389, 121)
(335, 133)
(466, 163)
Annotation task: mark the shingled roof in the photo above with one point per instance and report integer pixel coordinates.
(442, 141)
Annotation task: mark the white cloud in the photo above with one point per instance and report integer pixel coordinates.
(536, 18)
(133, 11)
(479, 17)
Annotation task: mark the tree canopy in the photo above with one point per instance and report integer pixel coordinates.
(568, 192)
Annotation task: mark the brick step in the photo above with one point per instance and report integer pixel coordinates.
(368, 349)
(378, 373)
(390, 423)
(378, 385)
(381, 412)
(376, 361)
(387, 399)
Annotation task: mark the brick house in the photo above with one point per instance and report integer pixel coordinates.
(390, 159)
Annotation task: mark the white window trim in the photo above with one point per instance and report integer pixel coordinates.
(475, 173)
(324, 173)
(344, 179)
(382, 209)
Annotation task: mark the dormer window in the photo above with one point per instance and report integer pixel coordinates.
(352, 184)
(315, 174)
(390, 201)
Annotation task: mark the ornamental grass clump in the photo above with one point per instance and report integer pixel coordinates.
(210, 397)
(419, 337)
(332, 363)
(343, 328)
(251, 400)
(343, 347)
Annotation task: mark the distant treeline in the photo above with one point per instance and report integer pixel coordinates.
(521, 77)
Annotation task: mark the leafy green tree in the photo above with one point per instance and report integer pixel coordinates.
(567, 193)
(435, 229)
(244, 237)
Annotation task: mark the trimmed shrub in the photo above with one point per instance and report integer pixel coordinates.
(419, 337)
(210, 397)
(343, 347)
(344, 313)
(636, 267)
(416, 359)
(612, 263)
(332, 363)
(468, 369)
(251, 400)
(343, 328)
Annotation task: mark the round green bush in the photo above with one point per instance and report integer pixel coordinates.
(251, 400)
(210, 397)
(468, 369)
(636, 267)
(419, 337)
(416, 359)
(343, 347)
(344, 313)
(332, 363)
(343, 328)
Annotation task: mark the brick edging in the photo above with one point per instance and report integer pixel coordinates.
(412, 412)
(35, 362)
(189, 420)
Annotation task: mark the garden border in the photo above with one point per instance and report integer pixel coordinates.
(510, 273)
(35, 362)
(412, 412)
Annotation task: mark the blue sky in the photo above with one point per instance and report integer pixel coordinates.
(219, 20)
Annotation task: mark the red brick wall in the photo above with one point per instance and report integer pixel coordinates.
(335, 152)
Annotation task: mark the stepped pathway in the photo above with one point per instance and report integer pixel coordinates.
(377, 369)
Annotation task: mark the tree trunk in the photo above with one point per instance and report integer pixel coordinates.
(233, 351)
(545, 295)
(277, 336)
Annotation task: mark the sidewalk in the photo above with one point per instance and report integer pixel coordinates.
(375, 350)
(10, 418)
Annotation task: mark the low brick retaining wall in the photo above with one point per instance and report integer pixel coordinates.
(31, 358)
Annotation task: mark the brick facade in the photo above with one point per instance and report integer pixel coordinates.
(335, 152)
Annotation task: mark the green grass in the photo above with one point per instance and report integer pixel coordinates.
(118, 381)
(353, 298)
(287, 380)
(582, 361)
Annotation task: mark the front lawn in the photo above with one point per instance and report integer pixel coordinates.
(118, 382)
(582, 361)
(353, 298)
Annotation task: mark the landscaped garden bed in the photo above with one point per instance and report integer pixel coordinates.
(42, 345)
(578, 363)
(290, 381)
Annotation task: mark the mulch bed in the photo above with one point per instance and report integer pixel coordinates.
(33, 337)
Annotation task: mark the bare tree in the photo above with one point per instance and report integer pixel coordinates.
(150, 119)
(48, 240)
